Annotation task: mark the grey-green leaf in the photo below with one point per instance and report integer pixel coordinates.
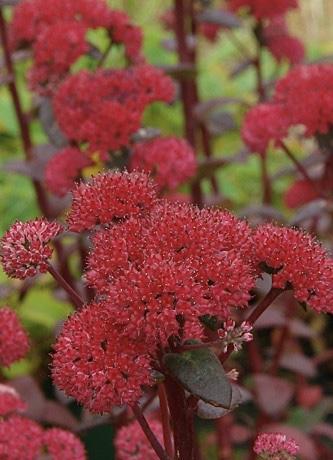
(201, 373)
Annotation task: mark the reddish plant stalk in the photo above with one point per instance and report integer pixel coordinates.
(265, 180)
(162, 455)
(188, 85)
(23, 124)
(301, 168)
(73, 295)
(264, 304)
(182, 421)
(165, 417)
(254, 356)
(223, 431)
(21, 118)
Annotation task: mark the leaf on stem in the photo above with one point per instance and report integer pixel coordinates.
(201, 373)
(221, 18)
(208, 412)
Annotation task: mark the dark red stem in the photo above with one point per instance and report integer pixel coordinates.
(184, 26)
(265, 180)
(162, 455)
(264, 304)
(182, 421)
(165, 417)
(300, 168)
(223, 431)
(73, 295)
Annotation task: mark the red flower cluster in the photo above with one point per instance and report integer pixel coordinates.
(264, 124)
(63, 445)
(104, 109)
(280, 43)
(20, 439)
(131, 442)
(301, 192)
(298, 262)
(263, 9)
(14, 342)
(63, 168)
(24, 439)
(170, 160)
(96, 367)
(156, 273)
(306, 96)
(57, 33)
(56, 48)
(10, 401)
(275, 446)
(109, 198)
(24, 247)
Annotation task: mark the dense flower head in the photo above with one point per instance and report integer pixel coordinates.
(263, 9)
(306, 95)
(63, 168)
(31, 17)
(57, 32)
(104, 109)
(170, 160)
(298, 262)
(14, 342)
(132, 444)
(10, 401)
(110, 197)
(20, 439)
(275, 446)
(157, 86)
(173, 239)
(55, 50)
(25, 249)
(264, 124)
(153, 303)
(94, 366)
(219, 263)
(63, 445)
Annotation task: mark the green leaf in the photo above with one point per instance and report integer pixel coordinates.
(201, 373)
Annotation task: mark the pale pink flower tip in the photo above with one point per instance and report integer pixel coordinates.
(275, 446)
(234, 335)
(24, 247)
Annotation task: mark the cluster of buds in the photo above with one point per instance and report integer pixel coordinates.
(275, 446)
(234, 335)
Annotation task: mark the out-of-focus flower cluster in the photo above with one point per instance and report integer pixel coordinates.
(262, 9)
(57, 33)
(20, 437)
(303, 97)
(131, 442)
(170, 160)
(104, 109)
